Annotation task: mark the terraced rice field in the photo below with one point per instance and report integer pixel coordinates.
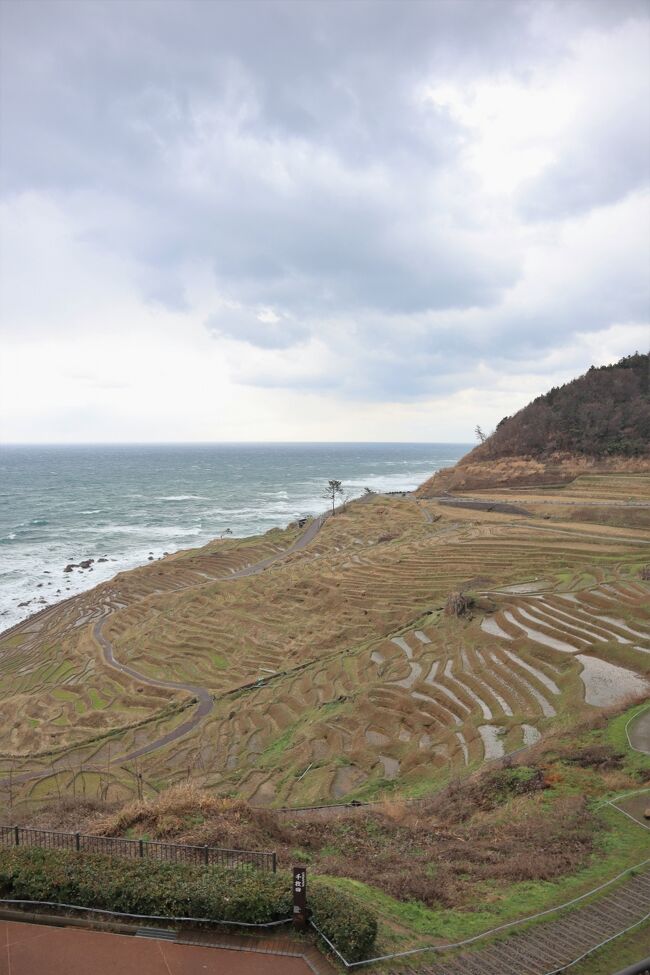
(333, 670)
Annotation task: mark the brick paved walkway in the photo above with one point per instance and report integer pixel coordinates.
(37, 949)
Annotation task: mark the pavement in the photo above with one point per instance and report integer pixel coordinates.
(638, 732)
(38, 949)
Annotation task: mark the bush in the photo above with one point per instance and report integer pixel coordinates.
(143, 886)
(348, 925)
(147, 887)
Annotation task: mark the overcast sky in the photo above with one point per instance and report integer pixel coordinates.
(316, 220)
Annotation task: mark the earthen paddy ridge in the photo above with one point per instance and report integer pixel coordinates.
(315, 665)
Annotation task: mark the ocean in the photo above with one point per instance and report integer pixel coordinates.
(127, 503)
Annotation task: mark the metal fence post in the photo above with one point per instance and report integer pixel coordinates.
(77, 844)
(17, 835)
(274, 861)
(141, 846)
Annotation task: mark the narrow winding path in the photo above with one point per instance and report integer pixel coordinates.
(205, 700)
(638, 732)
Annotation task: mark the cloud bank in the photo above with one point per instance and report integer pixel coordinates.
(293, 220)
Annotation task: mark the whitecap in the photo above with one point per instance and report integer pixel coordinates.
(183, 497)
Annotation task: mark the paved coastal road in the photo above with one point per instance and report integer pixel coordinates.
(509, 499)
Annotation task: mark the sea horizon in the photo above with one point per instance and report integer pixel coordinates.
(129, 503)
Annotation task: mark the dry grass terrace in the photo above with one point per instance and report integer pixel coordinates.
(364, 685)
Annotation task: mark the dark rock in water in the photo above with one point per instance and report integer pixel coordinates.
(103, 559)
(69, 567)
(86, 563)
(150, 559)
(39, 585)
(26, 603)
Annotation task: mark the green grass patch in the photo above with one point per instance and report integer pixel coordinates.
(97, 702)
(13, 641)
(407, 923)
(276, 749)
(626, 950)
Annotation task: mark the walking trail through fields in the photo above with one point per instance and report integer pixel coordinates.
(204, 699)
(638, 732)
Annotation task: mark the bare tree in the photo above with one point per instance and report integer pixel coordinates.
(457, 604)
(333, 491)
(480, 436)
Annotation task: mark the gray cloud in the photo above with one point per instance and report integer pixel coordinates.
(287, 147)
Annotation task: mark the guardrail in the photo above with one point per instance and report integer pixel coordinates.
(138, 849)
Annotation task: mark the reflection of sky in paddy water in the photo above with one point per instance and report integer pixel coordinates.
(125, 503)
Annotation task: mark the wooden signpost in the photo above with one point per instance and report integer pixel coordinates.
(300, 897)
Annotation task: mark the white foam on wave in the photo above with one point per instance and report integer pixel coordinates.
(184, 497)
(110, 504)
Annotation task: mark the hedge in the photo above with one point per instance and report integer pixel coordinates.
(349, 925)
(180, 890)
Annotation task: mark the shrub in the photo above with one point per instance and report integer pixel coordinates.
(147, 887)
(348, 925)
(143, 886)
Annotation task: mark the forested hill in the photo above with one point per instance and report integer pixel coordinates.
(605, 413)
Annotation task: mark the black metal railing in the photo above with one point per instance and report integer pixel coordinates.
(138, 849)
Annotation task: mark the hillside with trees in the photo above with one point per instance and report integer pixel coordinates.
(604, 413)
(599, 422)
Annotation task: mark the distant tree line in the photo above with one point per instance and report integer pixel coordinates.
(606, 412)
